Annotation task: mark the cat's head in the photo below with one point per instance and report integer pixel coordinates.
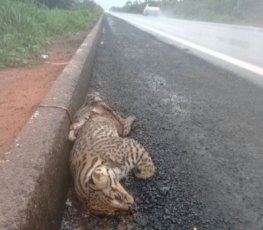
(107, 195)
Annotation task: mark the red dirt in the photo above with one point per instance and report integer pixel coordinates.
(22, 89)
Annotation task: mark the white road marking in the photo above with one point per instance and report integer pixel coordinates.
(234, 61)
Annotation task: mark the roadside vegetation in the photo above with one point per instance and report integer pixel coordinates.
(246, 12)
(27, 27)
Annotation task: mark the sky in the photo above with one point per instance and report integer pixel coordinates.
(106, 4)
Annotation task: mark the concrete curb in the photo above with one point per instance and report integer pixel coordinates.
(35, 175)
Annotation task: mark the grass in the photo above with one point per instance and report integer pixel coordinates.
(27, 28)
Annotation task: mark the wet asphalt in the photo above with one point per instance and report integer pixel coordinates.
(202, 125)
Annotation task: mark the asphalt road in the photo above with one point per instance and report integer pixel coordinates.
(202, 125)
(242, 42)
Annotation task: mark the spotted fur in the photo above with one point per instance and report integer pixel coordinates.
(102, 156)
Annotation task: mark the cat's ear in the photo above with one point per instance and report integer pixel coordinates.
(100, 178)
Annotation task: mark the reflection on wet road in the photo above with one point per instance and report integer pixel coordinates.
(238, 45)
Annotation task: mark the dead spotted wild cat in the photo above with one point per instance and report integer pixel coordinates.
(102, 155)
